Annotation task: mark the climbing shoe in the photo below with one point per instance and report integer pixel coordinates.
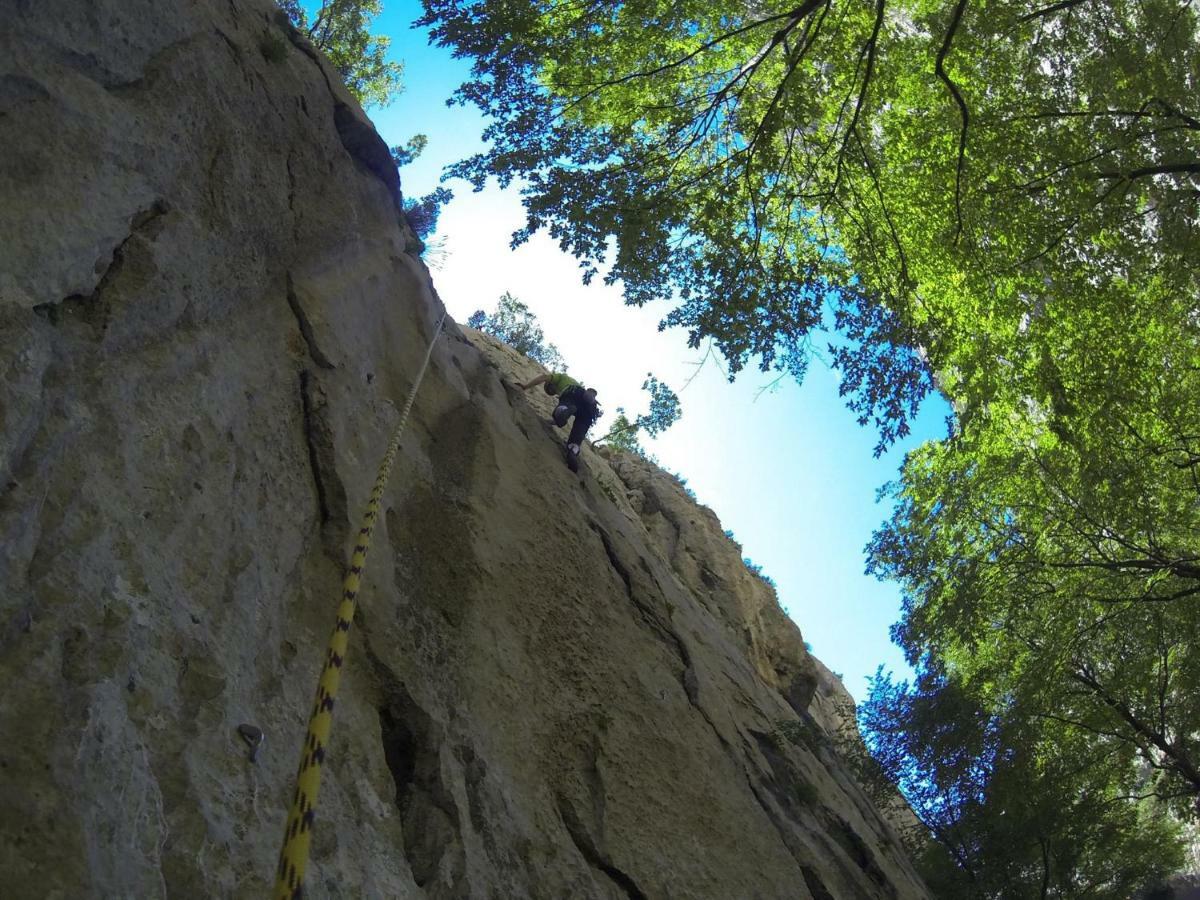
(561, 414)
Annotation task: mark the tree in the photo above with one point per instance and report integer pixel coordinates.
(341, 29)
(422, 213)
(403, 155)
(913, 169)
(623, 434)
(1016, 807)
(664, 412)
(1058, 561)
(515, 325)
(1048, 554)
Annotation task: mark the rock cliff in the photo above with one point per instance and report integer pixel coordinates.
(210, 312)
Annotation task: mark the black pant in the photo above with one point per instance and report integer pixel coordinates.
(582, 406)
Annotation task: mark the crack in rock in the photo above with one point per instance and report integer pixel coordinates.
(93, 309)
(357, 134)
(687, 678)
(331, 493)
(590, 852)
(429, 815)
(815, 885)
(306, 329)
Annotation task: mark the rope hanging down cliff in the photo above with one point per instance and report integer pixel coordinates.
(293, 857)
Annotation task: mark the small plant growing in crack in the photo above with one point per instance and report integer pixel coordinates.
(800, 733)
(272, 47)
(806, 792)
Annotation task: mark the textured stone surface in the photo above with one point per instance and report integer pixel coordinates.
(557, 686)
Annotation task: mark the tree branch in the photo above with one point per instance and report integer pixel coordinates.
(869, 49)
(1184, 766)
(1180, 168)
(1050, 10)
(940, 71)
(795, 15)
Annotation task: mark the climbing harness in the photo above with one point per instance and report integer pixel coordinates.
(293, 858)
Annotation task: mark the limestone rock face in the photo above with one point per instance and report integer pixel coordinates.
(210, 316)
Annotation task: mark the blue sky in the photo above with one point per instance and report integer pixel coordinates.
(788, 469)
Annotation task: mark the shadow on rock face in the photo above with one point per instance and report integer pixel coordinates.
(411, 741)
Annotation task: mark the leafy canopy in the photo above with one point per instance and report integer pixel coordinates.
(1020, 808)
(422, 213)
(904, 172)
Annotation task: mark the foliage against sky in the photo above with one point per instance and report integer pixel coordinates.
(1017, 812)
(664, 412)
(341, 29)
(942, 165)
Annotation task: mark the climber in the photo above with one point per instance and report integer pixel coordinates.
(573, 400)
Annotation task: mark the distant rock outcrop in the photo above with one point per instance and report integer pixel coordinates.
(557, 685)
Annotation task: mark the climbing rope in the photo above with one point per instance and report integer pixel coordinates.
(293, 858)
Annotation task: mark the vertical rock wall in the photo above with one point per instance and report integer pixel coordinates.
(209, 316)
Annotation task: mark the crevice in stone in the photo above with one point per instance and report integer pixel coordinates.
(312, 439)
(17, 89)
(784, 836)
(211, 179)
(359, 138)
(291, 188)
(815, 885)
(234, 50)
(474, 773)
(687, 677)
(595, 785)
(364, 144)
(691, 686)
(614, 560)
(91, 68)
(306, 329)
(856, 848)
(707, 718)
(788, 788)
(331, 493)
(595, 858)
(646, 613)
(786, 784)
(429, 816)
(91, 308)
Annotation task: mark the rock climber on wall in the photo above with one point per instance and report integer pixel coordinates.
(573, 400)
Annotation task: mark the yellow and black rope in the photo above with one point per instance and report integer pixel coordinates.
(293, 858)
